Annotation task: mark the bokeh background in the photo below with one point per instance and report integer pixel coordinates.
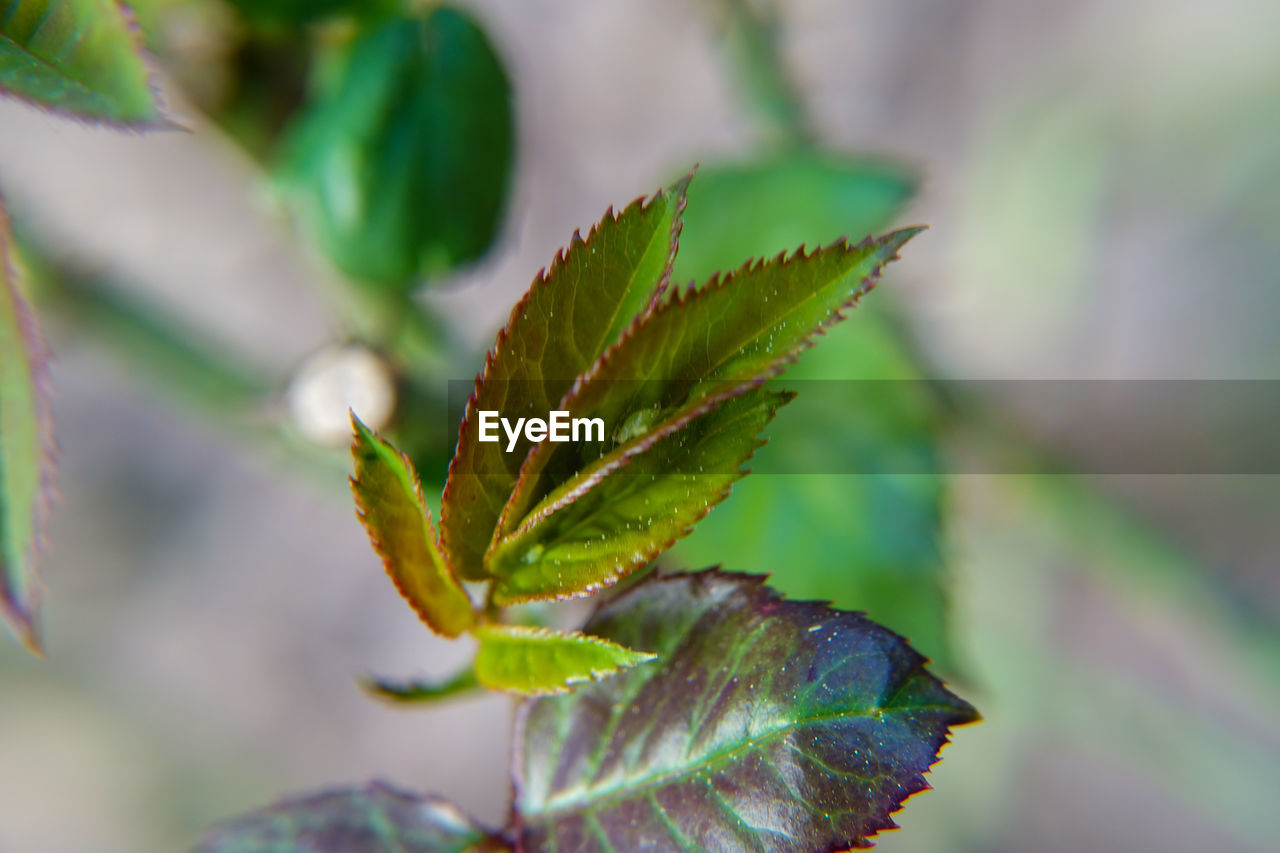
(1102, 182)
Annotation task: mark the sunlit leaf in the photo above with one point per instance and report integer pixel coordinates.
(537, 660)
(571, 313)
(372, 819)
(391, 506)
(764, 725)
(629, 506)
(709, 343)
(80, 57)
(26, 446)
(400, 165)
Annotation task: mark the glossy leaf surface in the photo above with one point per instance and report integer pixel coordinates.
(573, 310)
(79, 57)
(393, 511)
(26, 446)
(400, 164)
(372, 819)
(629, 506)
(538, 661)
(710, 343)
(764, 725)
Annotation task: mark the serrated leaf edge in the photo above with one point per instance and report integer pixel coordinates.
(538, 453)
(541, 280)
(656, 548)
(756, 583)
(160, 120)
(432, 536)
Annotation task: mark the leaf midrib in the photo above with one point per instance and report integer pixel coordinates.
(617, 793)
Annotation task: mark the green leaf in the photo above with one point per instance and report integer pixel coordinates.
(26, 446)
(708, 344)
(623, 510)
(78, 57)
(400, 165)
(422, 691)
(765, 725)
(372, 819)
(571, 313)
(392, 509)
(538, 661)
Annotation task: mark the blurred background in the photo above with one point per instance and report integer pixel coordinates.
(1102, 183)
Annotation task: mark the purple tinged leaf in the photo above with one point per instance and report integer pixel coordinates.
(390, 505)
(370, 819)
(573, 311)
(764, 725)
(538, 661)
(621, 511)
(26, 446)
(82, 58)
(709, 344)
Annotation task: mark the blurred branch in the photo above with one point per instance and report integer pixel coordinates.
(751, 34)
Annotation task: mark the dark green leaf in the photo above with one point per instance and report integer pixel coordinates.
(537, 661)
(372, 819)
(422, 691)
(623, 510)
(26, 446)
(571, 313)
(765, 725)
(80, 57)
(708, 344)
(390, 504)
(400, 166)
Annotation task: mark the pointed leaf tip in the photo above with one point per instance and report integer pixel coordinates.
(82, 58)
(574, 310)
(391, 507)
(815, 729)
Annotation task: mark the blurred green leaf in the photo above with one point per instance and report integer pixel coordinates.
(26, 445)
(621, 511)
(571, 313)
(399, 166)
(869, 541)
(391, 507)
(304, 11)
(409, 692)
(783, 725)
(78, 57)
(536, 661)
(758, 208)
(373, 818)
